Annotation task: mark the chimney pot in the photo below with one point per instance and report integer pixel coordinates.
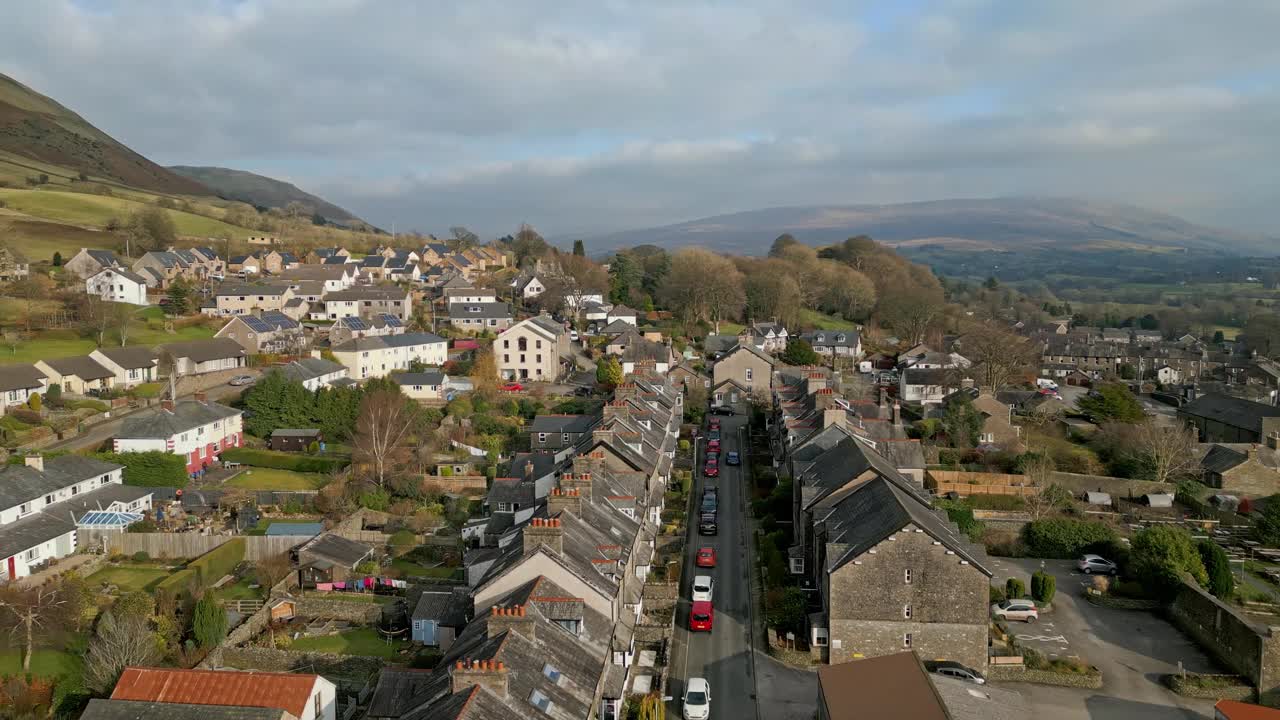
(501, 666)
(35, 462)
(166, 405)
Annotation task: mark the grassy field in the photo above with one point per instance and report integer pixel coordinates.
(38, 240)
(145, 330)
(273, 479)
(45, 663)
(821, 321)
(364, 641)
(97, 210)
(130, 578)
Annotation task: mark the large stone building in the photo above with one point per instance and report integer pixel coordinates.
(533, 349)
(748, 368)
(378, 356)
(1225, 419)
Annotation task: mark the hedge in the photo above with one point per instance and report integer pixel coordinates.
(153, 468)
(219, 561)
(1064, 537)
(283, 461)
(177, 583)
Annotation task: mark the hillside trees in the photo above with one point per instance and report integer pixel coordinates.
(150, 228)
(781, 243)
(702, 286)
(528, 245)
(1111, 402)
(581, 276)
(771, 291)
(1000, 357)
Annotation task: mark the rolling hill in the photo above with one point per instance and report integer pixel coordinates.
(260, 190)
(1002, 224)
(40, 136)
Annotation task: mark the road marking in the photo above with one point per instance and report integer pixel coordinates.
(1044, 638)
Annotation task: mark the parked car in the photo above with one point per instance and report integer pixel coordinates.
(697, 699)
(731, 458)
(710, 501)
(512, 387)
(950, 668)
(706, 557)
(714, 434)
(713, 458)
(703, 587)
(707, 524)
(721, 410)
(713, 446)
(1090, 564)
(1024, 610)
(711, 471)
(239, 380)
(573, 335)
(713, 423)
(701, 615)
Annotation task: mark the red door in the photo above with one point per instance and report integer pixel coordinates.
(13, 569)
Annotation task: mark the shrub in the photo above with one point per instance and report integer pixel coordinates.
(1064, 537)
(403, 540)
(143, 526)
(1160, 557)
(34, 402)
(1043, 586)
(962, 515)
(53, 395)
(178, 584)
(27, 416)
(218, 562)
(367, 567)
(314, 447)
(1014, 588)
(446, 471)
(1221, 582)
(150, 469)
(997, 594)
(141, 556)
(684, 445)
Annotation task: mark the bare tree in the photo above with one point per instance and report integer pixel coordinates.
(999, 355)
(117, 644)
(97, 315)
(40, 609)
(1048, 497)
(272, 570)
(121, 316)
(1168, 449)
(910, 310)
(33, 290)
(386, 420)
(581, 277)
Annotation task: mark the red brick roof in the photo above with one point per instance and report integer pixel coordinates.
(283, 691)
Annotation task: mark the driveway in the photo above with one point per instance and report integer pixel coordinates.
(1132, 649)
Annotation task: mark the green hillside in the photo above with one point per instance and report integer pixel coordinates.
(260, 190)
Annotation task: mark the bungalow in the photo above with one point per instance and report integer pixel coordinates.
(621, 313)
(329, 558)
(19, 382)
(202, 693)
(131, 365)
(197, 429)
(316, 372)
(117, 284)
(927, 386)
(197, 357)
(429, 385)
(79, 375)
(294, 439)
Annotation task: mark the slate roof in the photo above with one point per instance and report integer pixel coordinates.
(131, 358)
(246, 289)
(431, 377)
(447, 607)
(832, 338)
(32, 530)
(100, 709)
(81, 366)
(106, 258)
(20, 377)
(295, 432)
(1220, 459)
(378, 342)
(186, 415)
(485, 310)
(336, 549)
(544, 463)
(124, 273)
(310, 368)
(401, 690)
(930, 376)
(511, 490)
(19, 483)
(563, 423)
(369, 293)
(206, 350)
(286, 691)
(1231, 411)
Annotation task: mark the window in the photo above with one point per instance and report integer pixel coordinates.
(820, 637)
(539, 346)
(48, 499)
(906, 640)
(564, 438)
(540, 701)
(750, 373)
(906, 611)
(538, 358)
(506, 344)
(32, 554)
(906, 576)
(542, 438)
(316, 706)
(551, 672)
(504, 507)
(569, 625)
(24, 509)
(987, 438)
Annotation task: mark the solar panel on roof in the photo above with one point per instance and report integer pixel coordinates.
(355, 323)
(256, 323)
(279, 319)
(391, 320)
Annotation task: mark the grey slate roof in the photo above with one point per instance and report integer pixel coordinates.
(431, 377)
(1220, 459)
(379, 342)
(485, 310)
(309, 368)
(369, 293)
(20, 377)
(336, 549)
(511, 490)
(187, 415)
(105, 258)
(100, 709)
(563, 423)
(96, 499)
(206, 350)
(19, 483)
(32, 530)
(446, 607)
(295, 432)
(401, 690)
(544, 463)
(81, 366)
(832, 338)
(131, 358)
(1232, 411)
(124, 273)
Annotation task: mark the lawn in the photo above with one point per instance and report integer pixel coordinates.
(364, 641)
(411, 569)
(239, 590)
(273, 479)
(66, 343)
(129, 578)
(821, 321)
(45, 663)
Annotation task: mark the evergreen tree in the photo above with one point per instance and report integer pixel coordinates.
(799, 352)
(609, 372)
(625, 276)
(579, 248)
(1112, 402)
(210, 623)
(961, 421)
(1222, 584)
(57, 259)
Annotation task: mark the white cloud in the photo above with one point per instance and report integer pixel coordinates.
(606, 114)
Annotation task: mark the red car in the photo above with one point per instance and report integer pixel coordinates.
(701, 616)
(713, 459)
(711, 471)
(706, 557)
(713, 446)
(714, 423)
(512, 387)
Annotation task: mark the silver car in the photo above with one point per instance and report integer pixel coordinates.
(1090, 564)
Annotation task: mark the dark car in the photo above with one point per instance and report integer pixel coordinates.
(707, 524)
(714, 434)
(710, 502)
(732, 458)
(722, 410)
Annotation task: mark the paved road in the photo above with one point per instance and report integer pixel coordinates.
(723, 656)
(1133, 649)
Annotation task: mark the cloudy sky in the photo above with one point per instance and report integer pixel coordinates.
(583, 116)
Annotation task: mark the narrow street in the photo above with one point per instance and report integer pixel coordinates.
(724, 656)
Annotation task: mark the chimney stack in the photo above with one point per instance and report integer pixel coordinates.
(514, 619)
(541, 531)
(166, 405)
(35, 462)
(561, 500)
(577, 482)
(833, 416)
(602, 436)
(896, 413)
(884, 396)
(489, 674)
(201, 396)
(824, 398)
(588, 462)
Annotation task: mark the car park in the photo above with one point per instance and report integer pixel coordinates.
(239, 380)
(706, 557)
(1023, 610)
(1090, 564)
(697, 699)
(732, 458)
(703, 587)
(701, 615)
(950, 668)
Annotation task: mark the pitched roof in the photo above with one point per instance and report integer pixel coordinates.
(131, 358)
(431, 377)
(124, 273)
(379, 342)
(81, 366)
(104, 257)
(1232, 411)
(563, 423)
(205, 350)
(310, 368)
(20, 377)
(100, 709)
(238, 288)
(479, 309)
(186, 415)
(287, 691)
(336, 549)
(512, 490)
(369, 293)
(20, 483)
(32, 530)
(888, 686)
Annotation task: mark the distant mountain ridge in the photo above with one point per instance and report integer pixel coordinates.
(35, 127)
(1000, 224)
(260, 190)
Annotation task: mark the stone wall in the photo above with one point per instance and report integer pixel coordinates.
(661, 595)
(947, 601)
(357, 612)
(1249, 649)
(1118, 487)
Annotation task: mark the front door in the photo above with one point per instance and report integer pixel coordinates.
(13, 569)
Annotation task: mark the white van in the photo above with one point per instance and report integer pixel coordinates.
(1046, 384)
